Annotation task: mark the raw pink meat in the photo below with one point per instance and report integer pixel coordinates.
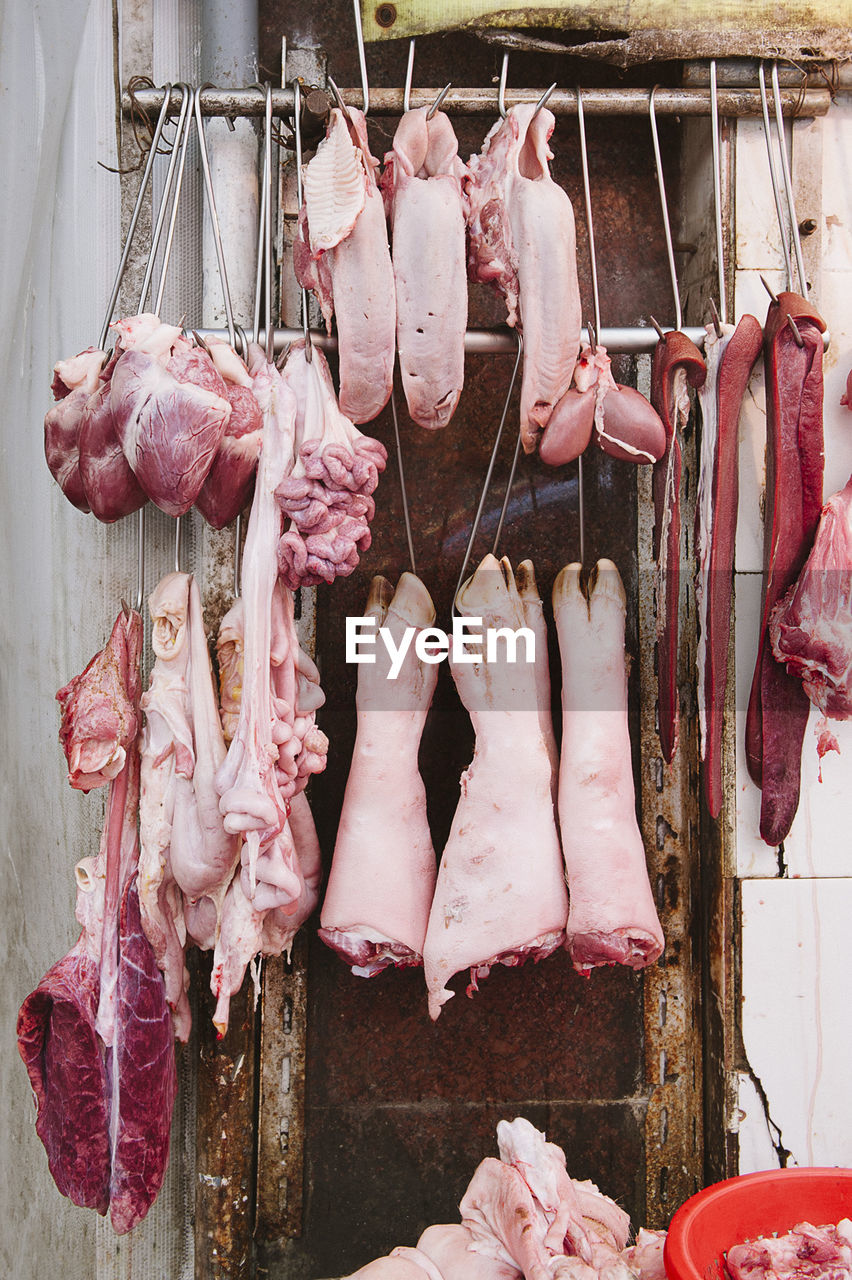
(451, 1247)
(810, 629)
(500, 895)
(612, 918)
(382, 876)
(99, 712)
(170, 409)
(805, 1253)
(229, 484)
(167, 753)
(328, 494)
(112, 489)
(625, 425)
(342, 253)
(522, 240)
(422, 183)
(74, 381)
(645, 1256)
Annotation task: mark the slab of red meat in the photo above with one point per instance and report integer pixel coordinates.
(65, 1061)
(730, 359)
(141, 1063)
(778, 706)
(111, 488)
(811, 627)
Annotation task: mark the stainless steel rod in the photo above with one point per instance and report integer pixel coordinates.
(618, 341)
(483, 101)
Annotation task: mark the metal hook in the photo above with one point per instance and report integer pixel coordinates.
(799, 340)
(660, 332)
(717, 199)
(263, 215)
(177, 544)
(214, 217)
(140, 561)
(665, 208)
(362, 55)
(581, 120)
(773, 173)
(438, 100)
(409, 76)
(167, 250)
(768, 287)
(405, 512)
(178, 151)
(237, 532)
(542, 101)
(338, 98)
(788, 182)
(480, 508)
(501, 88)
(297, 129)
(137, 209)
(714, 315)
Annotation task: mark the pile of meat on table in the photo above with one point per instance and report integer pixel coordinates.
(524, 1215)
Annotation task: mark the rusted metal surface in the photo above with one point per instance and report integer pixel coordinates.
(281, 1112)
(669, 807)
(481, 101)
(225, 1142)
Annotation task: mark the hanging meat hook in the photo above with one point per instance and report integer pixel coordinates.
(177, 150)
(542, 100)
(788, 182)
(720, 317)
(362, 56)
(773, 174)
(488, 474)
(140, 560)
(501, 88)
(338, 100)
(409, 76)
(214, 217)
(177, 544)
(297, 128)
(661, 182)
(178, 187)
(438, 100)
(137, 209)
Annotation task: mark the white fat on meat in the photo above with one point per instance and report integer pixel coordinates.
(523, 240)
(382, 876)
(451, 1247)
(166, 753)
(423, 188)
(346, 260)
(203, 854)
(612, 918)
(500, 895)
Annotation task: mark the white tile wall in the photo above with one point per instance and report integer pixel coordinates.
(796, 935)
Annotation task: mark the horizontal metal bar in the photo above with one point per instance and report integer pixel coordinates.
(476, 101)
(618, 341)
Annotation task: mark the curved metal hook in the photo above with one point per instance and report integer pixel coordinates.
(788, 182)
(665, 208)
(409, 76)
(178, 149)
(140, 561)
(542, 101)
(178, 184)
(362, 56)
(717, 192)
(584, 156)
(438, 100)
(773, 174)
(501, 88)
(480, 508)
(297, 130)
(137, 209)
(214, 217)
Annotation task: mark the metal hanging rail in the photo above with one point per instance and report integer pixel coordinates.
(483, 101)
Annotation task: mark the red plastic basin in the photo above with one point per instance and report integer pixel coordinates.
(754, 1204)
